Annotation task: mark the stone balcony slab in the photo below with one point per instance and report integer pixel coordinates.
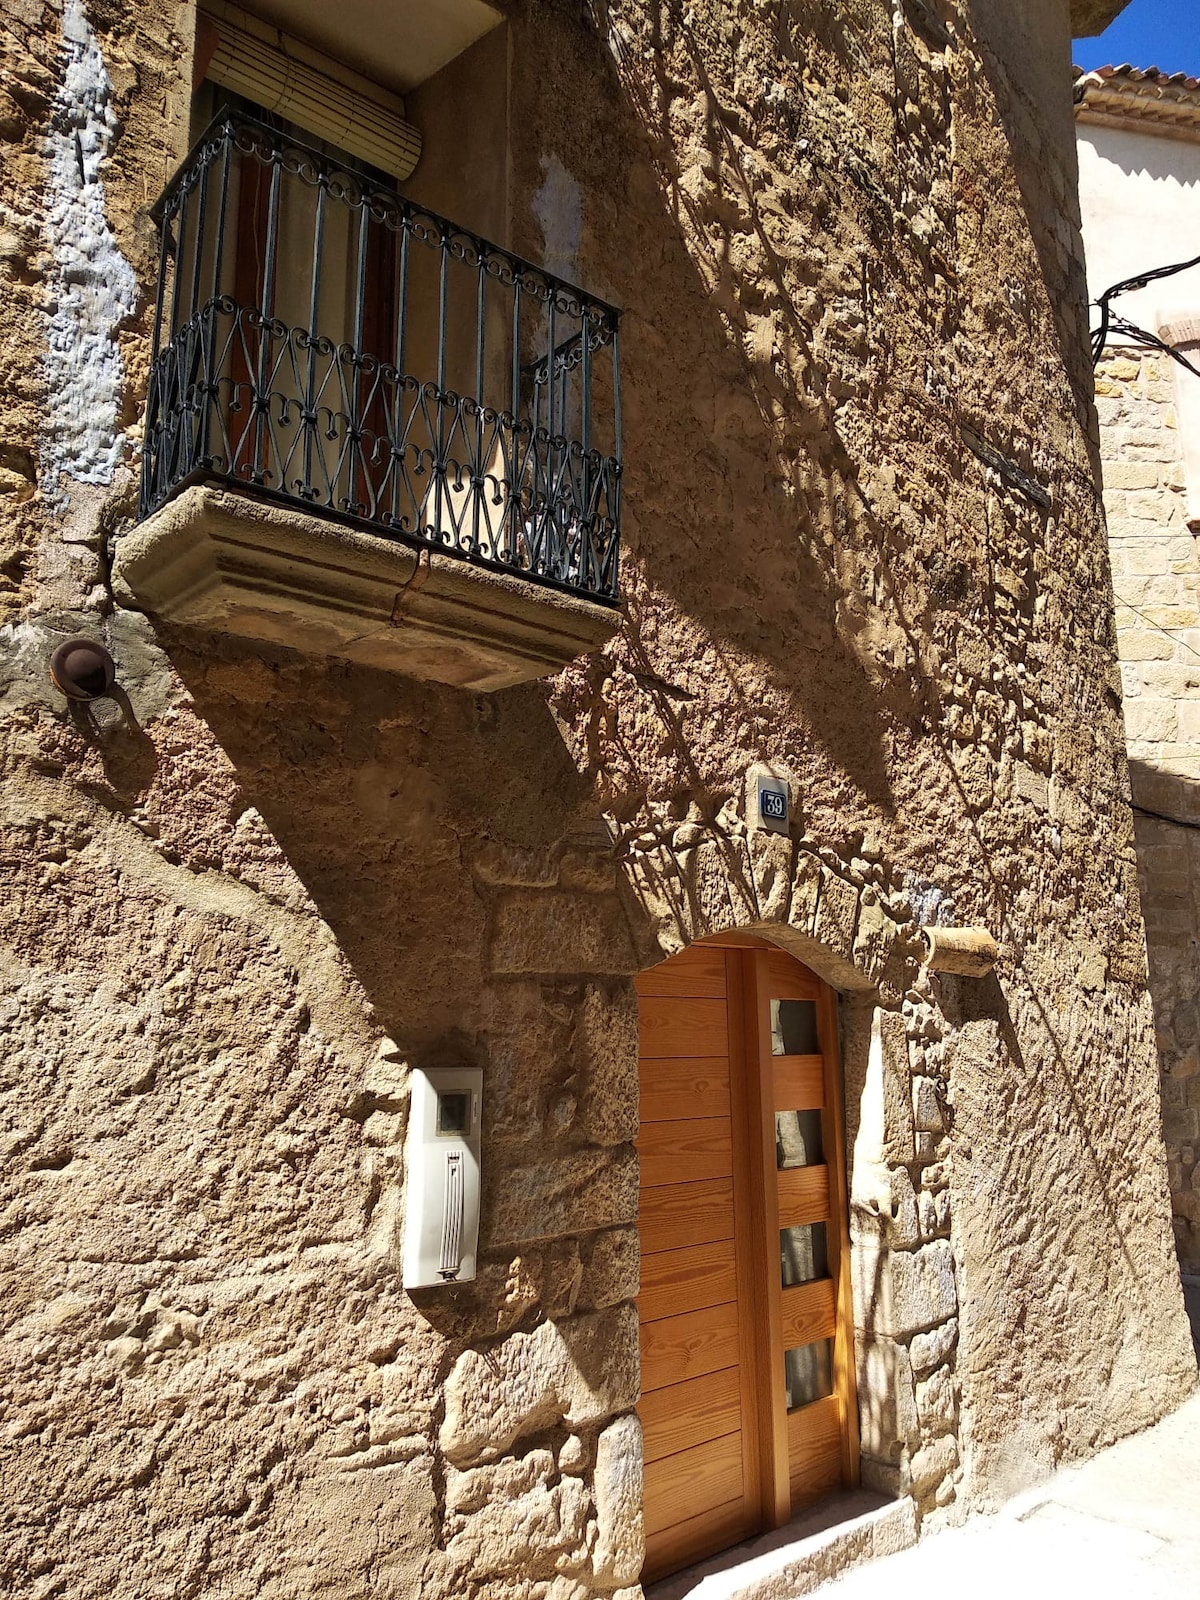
(223, 560)
(1089, 17)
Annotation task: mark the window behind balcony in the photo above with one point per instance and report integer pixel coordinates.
(326, 339)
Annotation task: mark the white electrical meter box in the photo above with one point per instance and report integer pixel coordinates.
(441, 1224)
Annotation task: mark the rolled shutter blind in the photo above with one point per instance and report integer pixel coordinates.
(369, 125)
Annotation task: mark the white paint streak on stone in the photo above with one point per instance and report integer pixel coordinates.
(92, 286)
(930, 904)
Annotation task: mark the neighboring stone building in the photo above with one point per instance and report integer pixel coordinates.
(1139, 157)
(288, 869)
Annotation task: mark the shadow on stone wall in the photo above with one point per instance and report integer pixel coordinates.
(1167, 827)
(799, 564)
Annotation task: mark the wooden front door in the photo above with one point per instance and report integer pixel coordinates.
(748, 1407)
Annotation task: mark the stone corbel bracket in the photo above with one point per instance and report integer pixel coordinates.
(967, 952)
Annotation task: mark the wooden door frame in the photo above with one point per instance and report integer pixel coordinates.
(757, 1226)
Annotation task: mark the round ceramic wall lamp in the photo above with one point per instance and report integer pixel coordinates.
(82, 670)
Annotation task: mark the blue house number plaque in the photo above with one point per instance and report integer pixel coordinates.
(773, 805)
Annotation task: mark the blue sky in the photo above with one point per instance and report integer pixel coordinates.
(1148, 33)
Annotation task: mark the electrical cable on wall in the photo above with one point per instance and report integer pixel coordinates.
(1142, 338)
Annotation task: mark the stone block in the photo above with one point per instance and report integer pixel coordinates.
(837, 914)
(927, 1110)
(560, 1196)
(1152, 720)
(1150, 507)
(1141, 644)
(888, 1420)
(508, 1479)
(899, 1293)
(620, 1534)
(579, 1372)
(771, 864)
(937, 1406)
(611, 1271)
(806, 888)
(1130, 475)
(591, 871)
(525, 1534)
(904, 1230)
(724, 892)
(929, 1350)
(873, 939)
(557, 932)
(606, 1061)
(930, 1465)
(898, 1142)
(511, 866)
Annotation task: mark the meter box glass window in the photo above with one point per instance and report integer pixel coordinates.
(441, 1222)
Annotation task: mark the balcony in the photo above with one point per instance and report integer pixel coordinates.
(369, 432)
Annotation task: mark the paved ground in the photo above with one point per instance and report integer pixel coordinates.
(1126, 1524)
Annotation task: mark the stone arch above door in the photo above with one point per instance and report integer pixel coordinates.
(845, 920)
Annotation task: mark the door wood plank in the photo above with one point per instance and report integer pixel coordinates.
(788, 980)
(761, 1247)
(814, 1482)
(845, 1380)
(803, 1195)
(685, 1414)
(696, 1086)
(807, 1312)
(684, 1152)
(799, 1082)
(675, 1281)
(698, 1537)
(678, 1487)
(698, 973)
(814, 1449)
(688, 1346)
(680, 1214)
(668, 1026)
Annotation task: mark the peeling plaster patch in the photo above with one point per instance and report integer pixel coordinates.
(143, 672)
(92, 287)
(558, 206)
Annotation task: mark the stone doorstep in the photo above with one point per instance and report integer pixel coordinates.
(220, 559)
(841, 1533)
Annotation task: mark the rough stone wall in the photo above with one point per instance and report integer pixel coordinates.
(241, 903)
(1156, 578)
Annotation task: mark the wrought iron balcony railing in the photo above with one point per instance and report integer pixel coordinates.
(322, 340)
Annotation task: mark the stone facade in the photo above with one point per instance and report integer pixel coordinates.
(863, 545)
(1139, 138)
(1156, 576)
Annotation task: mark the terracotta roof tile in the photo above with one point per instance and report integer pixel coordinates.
(1161, 102)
